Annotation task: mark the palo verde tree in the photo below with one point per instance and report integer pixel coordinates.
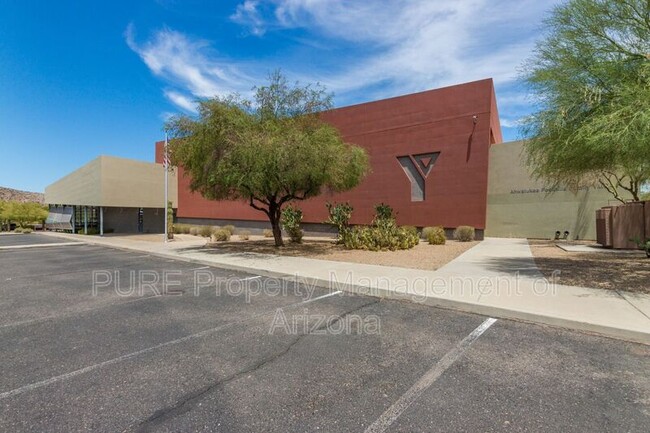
(269, 151)
(590, 75)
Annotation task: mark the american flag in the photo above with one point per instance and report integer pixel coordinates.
(166, 158)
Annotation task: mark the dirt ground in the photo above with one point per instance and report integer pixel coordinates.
(422, 256)
(604, 270)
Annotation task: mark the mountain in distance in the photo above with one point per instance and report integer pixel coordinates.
(10, 194)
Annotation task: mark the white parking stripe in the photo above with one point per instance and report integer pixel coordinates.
(66, 376)
(393, 412)
(250, 278)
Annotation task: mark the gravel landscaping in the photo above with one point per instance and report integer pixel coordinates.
(628, 271)
(422, 256)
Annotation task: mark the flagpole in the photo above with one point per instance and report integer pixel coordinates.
(166, 165)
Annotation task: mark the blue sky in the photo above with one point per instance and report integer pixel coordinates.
(79, 79)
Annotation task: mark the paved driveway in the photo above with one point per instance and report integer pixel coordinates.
(227, 351)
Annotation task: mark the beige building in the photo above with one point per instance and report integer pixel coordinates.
(127, 196)
(111, 194)
(518, 205)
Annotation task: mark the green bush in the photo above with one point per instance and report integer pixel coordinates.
(411, 229)
(206, 231)
(220, 235)
(194, 231)
(464, 233)
(28, 230)
(383, 212)
(181, 229)
(383, 234)
(18, 230)
(434, 235)
(244, 235)
(339, 216)
(426, 231)
(291, 219)
(374, 238)
(268, 233)
(229, 228)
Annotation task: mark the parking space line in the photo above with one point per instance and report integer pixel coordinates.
(200, 334)
(392, 413)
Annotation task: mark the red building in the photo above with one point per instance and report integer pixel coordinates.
(428, 152)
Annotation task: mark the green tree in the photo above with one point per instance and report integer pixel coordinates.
(269, 151)
(24, 213)
(590, 75)
(3, 219)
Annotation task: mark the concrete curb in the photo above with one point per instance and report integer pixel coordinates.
(20, 247)
(457, 305)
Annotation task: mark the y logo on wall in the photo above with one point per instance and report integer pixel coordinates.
(417, 168)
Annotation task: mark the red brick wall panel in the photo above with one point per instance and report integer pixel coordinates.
(434, 121)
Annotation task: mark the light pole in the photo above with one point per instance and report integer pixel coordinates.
(166, 165)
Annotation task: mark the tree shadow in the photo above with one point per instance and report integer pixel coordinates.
(310, 248)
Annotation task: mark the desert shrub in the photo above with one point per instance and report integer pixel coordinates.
(383, 234)
(464, 233)
(268, 233)
(383, 212)
(182, 229)
(206, 231)
(194, 231)
(339, 216)
(411, 229)
(435, 235)
(18, 230)
(229, 228)
(426, 231)
(220, 235)
(244, 235)
(291, 219)
(28, 230)
(374, 238)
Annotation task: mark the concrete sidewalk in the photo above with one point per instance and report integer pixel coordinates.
(498, 278)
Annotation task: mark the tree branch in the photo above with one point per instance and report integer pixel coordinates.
(256, 207)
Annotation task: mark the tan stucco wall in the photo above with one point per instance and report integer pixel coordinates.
(520, 206)
(81, 187)
(130, 183)
(114, 182)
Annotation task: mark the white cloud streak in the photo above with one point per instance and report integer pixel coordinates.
(397, 46)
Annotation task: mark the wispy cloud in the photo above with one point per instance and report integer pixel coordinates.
(185, 102)
(248, 14)
(386, 48)
(190, 65)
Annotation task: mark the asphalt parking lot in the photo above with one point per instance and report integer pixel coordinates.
(217, 350)
(14, 240)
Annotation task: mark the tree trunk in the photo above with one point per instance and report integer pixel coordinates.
(274, 217)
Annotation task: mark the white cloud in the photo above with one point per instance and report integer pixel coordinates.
(183, 101)
(385, 48)
(190, 66)
(247, 14)
(510, 123)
